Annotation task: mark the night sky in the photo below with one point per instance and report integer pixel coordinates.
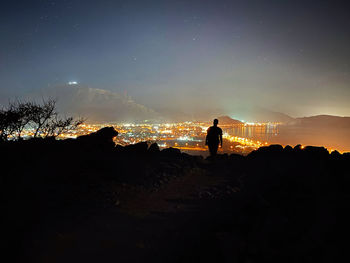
(288, 56)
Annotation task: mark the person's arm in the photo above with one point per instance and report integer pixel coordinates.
(206, 138)
(221, 138)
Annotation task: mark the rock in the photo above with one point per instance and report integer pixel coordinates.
(154, 148)
(335, 154)
(316, 151)
(101, 138)
(297, 147)
(138, 148)
(288, 149)
(235, 156)
(274, 149)
(119, 148)
(107, 133)
(171, 152)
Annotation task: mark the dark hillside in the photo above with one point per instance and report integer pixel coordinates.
(85, 200)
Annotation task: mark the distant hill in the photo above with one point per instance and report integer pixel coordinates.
(226, 120)
(258, 114)
(99, 105)
(327, 121)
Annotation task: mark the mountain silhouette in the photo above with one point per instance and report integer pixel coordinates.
(98, 105)
(259, 114)
(226, 120)
(327, 121)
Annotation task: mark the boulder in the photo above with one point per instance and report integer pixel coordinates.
(288, 149)
(171, 152)
(316, 152)
(274, 149)
(154, 148)
(101, 138)
(137, 148)
(297, 147)
(335, 155)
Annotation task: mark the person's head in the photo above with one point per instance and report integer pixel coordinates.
(216, 121)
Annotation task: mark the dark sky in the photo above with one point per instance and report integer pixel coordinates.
(289, 56)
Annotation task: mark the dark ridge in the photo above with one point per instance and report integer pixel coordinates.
(87, 200)
(328, 121)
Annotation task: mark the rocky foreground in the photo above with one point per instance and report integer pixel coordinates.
(86, 200)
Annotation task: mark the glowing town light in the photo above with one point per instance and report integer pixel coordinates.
(183, 138)
(166, 131)
(72, 83)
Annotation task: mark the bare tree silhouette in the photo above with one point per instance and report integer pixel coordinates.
(42, 118)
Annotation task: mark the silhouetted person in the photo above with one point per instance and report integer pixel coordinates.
(214, 138)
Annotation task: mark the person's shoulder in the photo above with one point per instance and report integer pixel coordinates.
(219, 129)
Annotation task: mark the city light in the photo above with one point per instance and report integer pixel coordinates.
(186, 136)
